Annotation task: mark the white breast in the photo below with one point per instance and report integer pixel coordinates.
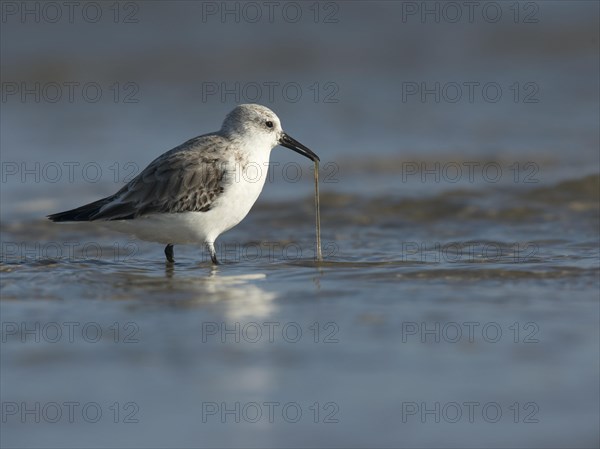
(246, 180)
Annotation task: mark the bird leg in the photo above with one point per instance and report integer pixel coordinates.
(213, 254)
(169, 253)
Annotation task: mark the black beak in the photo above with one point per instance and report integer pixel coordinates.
(293, 144)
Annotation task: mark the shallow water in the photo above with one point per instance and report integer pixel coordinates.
(468, 303)
(458, 301)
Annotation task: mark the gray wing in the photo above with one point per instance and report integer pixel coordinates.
(189, 178)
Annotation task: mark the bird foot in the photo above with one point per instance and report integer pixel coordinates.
(169, 253)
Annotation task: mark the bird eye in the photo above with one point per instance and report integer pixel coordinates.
(269, 124)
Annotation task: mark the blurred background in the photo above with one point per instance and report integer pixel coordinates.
(460, 175)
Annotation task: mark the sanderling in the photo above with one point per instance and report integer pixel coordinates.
(198, 190)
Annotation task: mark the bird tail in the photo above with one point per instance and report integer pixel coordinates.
(83, 213)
